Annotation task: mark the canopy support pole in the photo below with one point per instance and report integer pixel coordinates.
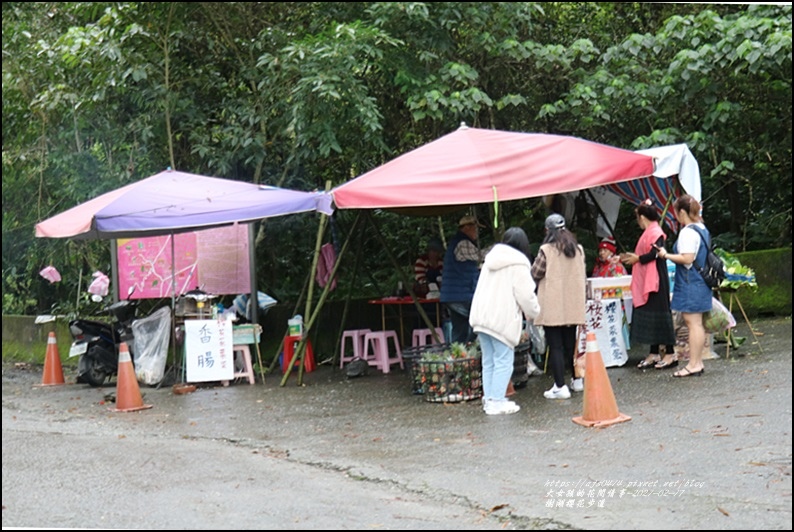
(254, 298)
(404, 278)
(300, 349)
(114, 269)
(604, 216)
(346, 309)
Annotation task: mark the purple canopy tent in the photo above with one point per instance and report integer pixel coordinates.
(172, 202)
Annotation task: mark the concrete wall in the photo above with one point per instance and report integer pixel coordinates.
(24, 340)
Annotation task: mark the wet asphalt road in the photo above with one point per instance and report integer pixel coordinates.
(712, 452)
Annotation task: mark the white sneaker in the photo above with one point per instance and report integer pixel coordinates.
(493, 408)
(577, 385)
(557, 393)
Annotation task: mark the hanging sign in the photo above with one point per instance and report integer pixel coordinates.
(209, 350)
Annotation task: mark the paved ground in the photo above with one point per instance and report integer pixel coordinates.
(712, 452)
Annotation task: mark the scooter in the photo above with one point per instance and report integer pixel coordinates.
(97, 343)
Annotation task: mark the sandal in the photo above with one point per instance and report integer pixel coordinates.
(686, 372)
(647, 363)
(661, 365)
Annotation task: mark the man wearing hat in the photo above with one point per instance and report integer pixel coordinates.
(608, 263)
(461, 271)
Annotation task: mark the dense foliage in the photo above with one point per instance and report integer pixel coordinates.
(97, 95)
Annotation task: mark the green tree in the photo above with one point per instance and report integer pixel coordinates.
(97, 95)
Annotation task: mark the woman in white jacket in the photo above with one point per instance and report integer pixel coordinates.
(505, 294)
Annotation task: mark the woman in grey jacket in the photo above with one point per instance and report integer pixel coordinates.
(504, 291)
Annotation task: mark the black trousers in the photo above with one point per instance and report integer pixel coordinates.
(561, 341)
(459, 316)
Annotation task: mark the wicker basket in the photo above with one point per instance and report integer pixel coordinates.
(411, 357)
(520, 375)
(450, 381)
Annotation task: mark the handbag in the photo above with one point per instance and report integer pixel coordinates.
(718, 319)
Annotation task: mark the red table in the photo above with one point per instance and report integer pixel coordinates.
(400, 301)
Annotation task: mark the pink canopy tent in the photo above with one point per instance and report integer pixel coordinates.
(473, 165)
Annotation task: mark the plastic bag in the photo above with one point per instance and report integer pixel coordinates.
(51, 274)
(358, 367)
(718, 319)
(151, 334)
(99, 286)
(532, 368)
(537, 337)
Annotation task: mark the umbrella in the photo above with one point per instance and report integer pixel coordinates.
(474, 165)
(174, 202)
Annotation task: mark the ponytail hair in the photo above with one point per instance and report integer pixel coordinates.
(563, 240)
(688, 204)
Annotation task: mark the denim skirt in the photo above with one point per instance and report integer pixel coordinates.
(691, 294)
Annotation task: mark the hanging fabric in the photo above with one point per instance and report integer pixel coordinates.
(325, 265)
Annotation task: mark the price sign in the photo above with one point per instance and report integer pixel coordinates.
(209, 350)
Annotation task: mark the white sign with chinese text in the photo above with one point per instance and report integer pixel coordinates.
(606, 319)
(209, 350)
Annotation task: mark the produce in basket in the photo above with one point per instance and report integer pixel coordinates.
(451, 375)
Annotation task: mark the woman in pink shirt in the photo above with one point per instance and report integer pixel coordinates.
(652, 320)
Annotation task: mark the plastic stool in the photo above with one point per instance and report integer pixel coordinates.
(356, 337)
(245, 352)
(424, 336)
(376, 350)
(289, 354)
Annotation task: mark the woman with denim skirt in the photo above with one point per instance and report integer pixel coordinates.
(691, 295)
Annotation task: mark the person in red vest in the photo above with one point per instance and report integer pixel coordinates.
(608, 263)
(429, 267)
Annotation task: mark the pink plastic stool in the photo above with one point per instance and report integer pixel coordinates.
(376, 350)
(425, 336)
(356, 337)
(247, 371)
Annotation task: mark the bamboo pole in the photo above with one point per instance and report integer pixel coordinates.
(300, 350)
(318, 242)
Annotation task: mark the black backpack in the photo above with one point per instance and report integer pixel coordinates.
(713, 272)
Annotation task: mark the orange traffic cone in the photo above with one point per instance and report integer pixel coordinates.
(53, 371)
(128, 395)
(600, 408)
